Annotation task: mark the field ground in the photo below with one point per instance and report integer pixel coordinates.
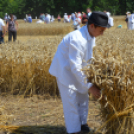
(38, 115)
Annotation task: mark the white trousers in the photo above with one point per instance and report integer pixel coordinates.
(75, 107)
(130, 26)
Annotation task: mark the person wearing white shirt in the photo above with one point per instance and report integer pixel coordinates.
(79, 15)
(52, 18)
(47, 18)
(77, 22)
(66, 20)
(2, 31)
(110, 19)
(131, 22)
(128, 20)
(73, 17)
(74, 49)
(7, 17)
(29, 18)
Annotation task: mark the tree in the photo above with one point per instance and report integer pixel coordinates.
(55, 7)
(11, 7)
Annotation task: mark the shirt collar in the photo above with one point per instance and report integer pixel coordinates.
(89, 37)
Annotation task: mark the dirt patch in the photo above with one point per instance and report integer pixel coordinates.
(38, 115)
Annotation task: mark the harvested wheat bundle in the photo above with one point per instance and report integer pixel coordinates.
(117, 87)
(112, 71)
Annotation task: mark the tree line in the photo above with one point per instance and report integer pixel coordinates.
(55, 7)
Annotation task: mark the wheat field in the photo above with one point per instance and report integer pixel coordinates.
(30, 101)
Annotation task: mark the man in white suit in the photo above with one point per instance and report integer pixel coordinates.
(66, 20)
(110, 19)
(131, 21)
(66, 67)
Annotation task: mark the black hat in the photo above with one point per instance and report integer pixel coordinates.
(99, 19)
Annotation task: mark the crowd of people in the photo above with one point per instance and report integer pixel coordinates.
(45, 18)
(77, 18)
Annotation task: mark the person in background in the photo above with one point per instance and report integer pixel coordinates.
(68, 62)
(29, 18)
(41, 19)
(89, 12)
(12, 26)
(6, 17)
(47, 18)
(133, 14)
(110, 19)
(52, 18)
(73, 17)
(26, 19)
(26, 16)
(42, 16)
(131, 21)
(69, 18)
(77, 22)
(127, 18)
(84, 18)
(59, 18)
(79, 15)
(66, 18)
(2, 31)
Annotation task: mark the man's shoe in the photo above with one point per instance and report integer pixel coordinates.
(86, 129)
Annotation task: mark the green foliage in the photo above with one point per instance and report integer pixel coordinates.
(55, 7)
(11, 7)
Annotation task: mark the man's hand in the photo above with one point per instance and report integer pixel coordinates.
(95, 91)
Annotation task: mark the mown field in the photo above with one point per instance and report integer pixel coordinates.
(30, 101)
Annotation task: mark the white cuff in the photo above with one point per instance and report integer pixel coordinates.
(90, 85)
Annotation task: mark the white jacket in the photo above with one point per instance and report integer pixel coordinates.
(68, 60)
(1, 24)
(131, 22)
(110, 21)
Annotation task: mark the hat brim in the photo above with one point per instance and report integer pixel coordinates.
(107, 26)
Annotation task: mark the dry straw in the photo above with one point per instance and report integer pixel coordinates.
(54, 28)
(112, 70)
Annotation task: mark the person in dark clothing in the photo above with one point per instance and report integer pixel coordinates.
(12, 30)
(84, 18)
(59, 18)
